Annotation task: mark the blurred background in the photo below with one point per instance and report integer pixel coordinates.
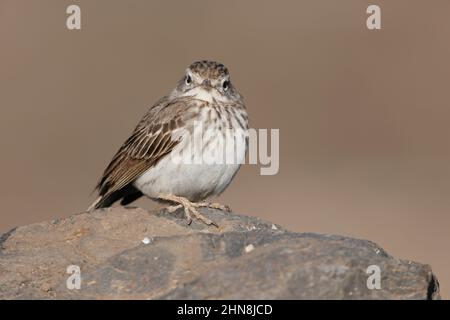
(363, 115)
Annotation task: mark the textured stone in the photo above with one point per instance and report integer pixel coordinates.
(130, 253)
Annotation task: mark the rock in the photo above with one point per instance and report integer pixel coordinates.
(130, 253)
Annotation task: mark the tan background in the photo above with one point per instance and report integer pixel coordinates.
(363, 115)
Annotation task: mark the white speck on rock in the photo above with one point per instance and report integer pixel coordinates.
(146, 240)
(249, 248)
(274, 227)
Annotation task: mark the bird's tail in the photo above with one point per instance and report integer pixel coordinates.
(127, 194)
(95, 205)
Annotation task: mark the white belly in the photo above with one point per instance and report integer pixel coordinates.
(190, 177)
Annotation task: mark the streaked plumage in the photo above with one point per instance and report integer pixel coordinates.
(144, 164)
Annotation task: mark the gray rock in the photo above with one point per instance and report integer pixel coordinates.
(130, 253)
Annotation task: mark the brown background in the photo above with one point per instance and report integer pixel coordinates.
(363, 115)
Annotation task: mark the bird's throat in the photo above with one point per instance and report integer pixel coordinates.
(207, 95)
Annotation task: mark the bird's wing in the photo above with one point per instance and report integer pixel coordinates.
(150, 142)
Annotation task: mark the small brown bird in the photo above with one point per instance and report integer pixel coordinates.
(166, 157)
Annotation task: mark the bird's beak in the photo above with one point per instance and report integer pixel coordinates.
(206, 84)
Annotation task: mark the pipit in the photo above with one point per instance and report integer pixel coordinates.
(167, 158)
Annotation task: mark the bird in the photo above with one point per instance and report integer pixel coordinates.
(176, 153)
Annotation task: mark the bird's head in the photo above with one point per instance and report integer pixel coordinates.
(207, 80)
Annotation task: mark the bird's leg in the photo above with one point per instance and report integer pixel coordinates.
(214, 205)
(189, 208)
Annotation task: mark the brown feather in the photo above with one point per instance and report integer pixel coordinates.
(149, 143)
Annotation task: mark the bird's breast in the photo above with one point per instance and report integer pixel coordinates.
(206, 159)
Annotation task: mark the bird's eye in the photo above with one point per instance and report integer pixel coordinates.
(188, 79)
(226, 85)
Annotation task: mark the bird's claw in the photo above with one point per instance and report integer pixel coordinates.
(190, 209)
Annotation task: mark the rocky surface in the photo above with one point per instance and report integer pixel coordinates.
(130, 253)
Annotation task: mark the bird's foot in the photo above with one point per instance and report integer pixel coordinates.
(172, 209)
(190, 209)
(214, 205)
